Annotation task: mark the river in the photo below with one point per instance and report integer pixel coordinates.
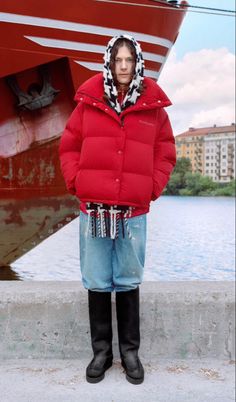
(188, 238)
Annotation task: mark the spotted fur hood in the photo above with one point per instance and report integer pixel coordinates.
(110, 88)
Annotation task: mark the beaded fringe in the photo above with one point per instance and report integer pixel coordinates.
(107, 220)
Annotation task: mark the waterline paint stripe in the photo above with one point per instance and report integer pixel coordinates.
(99, 67)
(85, 47)
(77, 27)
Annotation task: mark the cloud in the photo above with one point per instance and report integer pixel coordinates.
(201, 88)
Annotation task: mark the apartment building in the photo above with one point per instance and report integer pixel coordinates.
(211, 151)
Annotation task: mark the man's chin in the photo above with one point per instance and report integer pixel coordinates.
(124, 81)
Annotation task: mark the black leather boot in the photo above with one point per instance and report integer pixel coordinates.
(101, 335)
(127, 309)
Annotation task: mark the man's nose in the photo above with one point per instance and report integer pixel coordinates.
(123, 64)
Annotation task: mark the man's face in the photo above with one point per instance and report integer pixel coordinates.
(124, 66)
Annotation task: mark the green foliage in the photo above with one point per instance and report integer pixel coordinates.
(175, 184)
(185, 191)
(199, 185)
(178, 178)
(226, 190)
(183, 165)
(184, 182)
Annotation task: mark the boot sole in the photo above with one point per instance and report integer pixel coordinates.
(134, 381)
(95, 380)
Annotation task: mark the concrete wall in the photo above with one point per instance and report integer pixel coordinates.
(178, 320)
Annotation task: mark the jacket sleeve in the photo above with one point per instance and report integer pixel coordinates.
(70, 149)
(164, 154)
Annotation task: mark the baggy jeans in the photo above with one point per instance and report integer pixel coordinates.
(113, 264)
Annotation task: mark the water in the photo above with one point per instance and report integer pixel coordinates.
(189, 238)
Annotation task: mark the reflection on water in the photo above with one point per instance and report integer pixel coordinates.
(188, 238)
(8, 274)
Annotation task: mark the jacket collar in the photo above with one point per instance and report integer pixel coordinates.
(92, 92)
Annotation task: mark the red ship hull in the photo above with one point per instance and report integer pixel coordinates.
(56, 48)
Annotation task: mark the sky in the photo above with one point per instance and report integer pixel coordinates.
(199, 75)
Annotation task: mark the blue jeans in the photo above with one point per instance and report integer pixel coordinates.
(113, 264)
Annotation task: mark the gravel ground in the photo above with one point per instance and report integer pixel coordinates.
(165, 381)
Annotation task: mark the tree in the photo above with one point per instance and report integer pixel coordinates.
(226, 189)
(196, 184)
(192, 184)
(178, 178)
(184, 182)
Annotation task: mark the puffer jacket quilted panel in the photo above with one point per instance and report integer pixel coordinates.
(118, 159)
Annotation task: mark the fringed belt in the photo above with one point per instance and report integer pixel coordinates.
(107, 220)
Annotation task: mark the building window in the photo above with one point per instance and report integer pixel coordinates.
(207, 157)
(207, 164)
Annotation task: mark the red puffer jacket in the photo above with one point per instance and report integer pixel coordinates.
(118, 160)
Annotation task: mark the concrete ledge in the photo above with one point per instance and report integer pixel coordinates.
(178, 320)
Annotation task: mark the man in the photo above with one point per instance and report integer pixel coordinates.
(117, 153)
